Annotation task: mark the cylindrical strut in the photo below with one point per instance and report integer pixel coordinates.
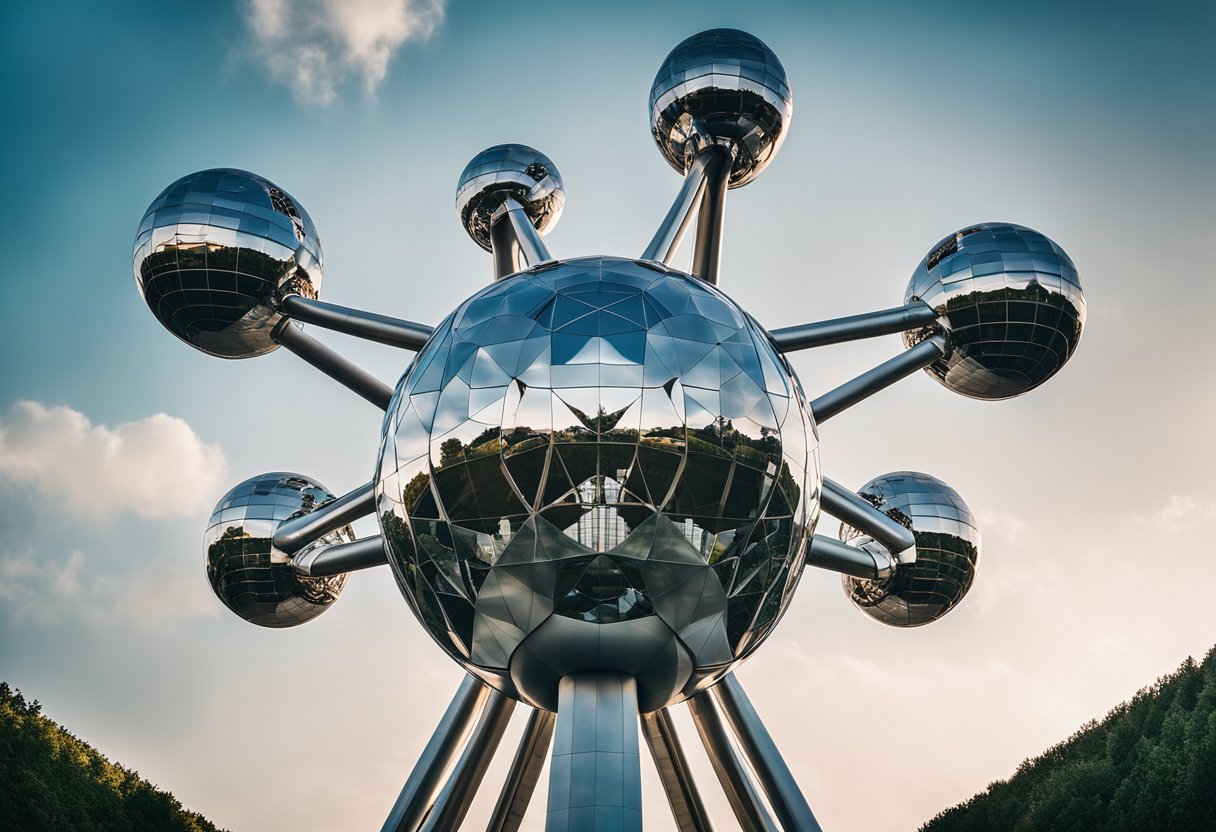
(686, 806)
(297, 533)
(595, 776)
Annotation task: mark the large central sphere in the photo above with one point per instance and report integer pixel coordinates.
(598, 464)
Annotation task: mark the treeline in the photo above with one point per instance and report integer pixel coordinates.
(1150, 764)
(50, 780)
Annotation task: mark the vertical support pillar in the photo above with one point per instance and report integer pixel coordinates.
(707, 248)
(595, 775)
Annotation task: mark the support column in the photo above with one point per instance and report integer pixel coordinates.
(595, 776)
(686, 806)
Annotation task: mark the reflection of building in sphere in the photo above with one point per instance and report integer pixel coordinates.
(216, 251)
(947, 549)
(721, 86)
(598, 463)
(253, 578)
(509, 170)
(1011, 300)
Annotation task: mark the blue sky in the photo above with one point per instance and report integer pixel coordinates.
(1094, 123)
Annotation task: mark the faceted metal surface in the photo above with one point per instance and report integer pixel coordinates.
(509, 170)
(721, 86)
(598, 464)
(214, 254)
(253, 578)
(947, 549)
(1012, 303)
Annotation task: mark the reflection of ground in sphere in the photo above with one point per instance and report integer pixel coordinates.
(1011, 300)
(509, 170)
(947, 548)
(721, 86)
(598, 463)
(253, 578)
(214, 253)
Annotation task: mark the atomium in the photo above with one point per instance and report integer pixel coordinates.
(598, 480)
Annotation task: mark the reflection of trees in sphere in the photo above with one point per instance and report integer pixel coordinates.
(253, 578)
(721, 86)
(947, 548)
(1011, 300)
(509, 170)
(215, 252)
(598, 463)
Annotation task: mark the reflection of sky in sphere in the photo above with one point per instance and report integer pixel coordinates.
(722, 85)
(590, 443)
(214, 252)
(947, 549)
(1012, 301)
(253, 578)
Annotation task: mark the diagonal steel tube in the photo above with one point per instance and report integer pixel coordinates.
(884, 375)
(686, 806)
(850, 508)
(732, 774)
(666, 241)
(775, 777)
(367, 325)
(298, 532)
(423, 785)
(707, 247)
(457, 795)
(854, 327)
(333, 365)
(526, 766)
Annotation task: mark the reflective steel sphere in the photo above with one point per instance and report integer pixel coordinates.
(598, 463)
(1011, 302)
(509, 170)
(721, 86)
(947, 548)
(253, 578)
(214, 254)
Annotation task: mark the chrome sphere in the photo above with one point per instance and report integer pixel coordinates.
(598, 463)
(253, 578)
(509, 170)
(726, 87)
(215, 253)
(947, 549)
(1011, 302)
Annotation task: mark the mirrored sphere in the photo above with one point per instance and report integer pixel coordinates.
(598, 463)
(721, 86)
(509, 170)
(947, 549)
(214, 254)
(253, 578)
(1011, 302)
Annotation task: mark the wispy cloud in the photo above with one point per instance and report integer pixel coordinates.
(1180, 512)
(155, 467)
(318, 47)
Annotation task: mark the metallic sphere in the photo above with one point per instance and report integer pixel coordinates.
(598, 463)
(1011, 302)
(947, 548)
(726, 87)
(215, 253)
(509, 170)
(254, 579)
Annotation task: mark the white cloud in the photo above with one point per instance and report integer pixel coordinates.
(156, 467)
(315, 47)
(1179, 513)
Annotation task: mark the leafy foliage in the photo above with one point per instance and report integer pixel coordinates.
(1149, 765)
(50, 780)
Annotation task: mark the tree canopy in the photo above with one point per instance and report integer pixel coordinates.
(1150, 764)
(50, 780)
